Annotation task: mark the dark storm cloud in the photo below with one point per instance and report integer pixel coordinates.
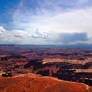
(72, 37)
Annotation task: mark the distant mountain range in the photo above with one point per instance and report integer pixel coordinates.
(80, 45)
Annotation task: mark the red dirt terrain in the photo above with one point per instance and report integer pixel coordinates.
(35, 83)
(71, 65)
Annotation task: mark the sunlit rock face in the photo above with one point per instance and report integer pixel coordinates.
(35, 83)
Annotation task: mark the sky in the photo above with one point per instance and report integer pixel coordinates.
(45, 22)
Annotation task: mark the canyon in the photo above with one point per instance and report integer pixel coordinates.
(68, 67)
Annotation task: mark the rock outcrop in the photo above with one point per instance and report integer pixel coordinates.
(37, 83)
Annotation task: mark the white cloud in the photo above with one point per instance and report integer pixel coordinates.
(82, 1)
(49, 24)
(69, 22)
(2, 30)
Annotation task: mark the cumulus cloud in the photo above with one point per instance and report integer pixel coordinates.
(50, 22)
(72, 21)
(23, 37)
